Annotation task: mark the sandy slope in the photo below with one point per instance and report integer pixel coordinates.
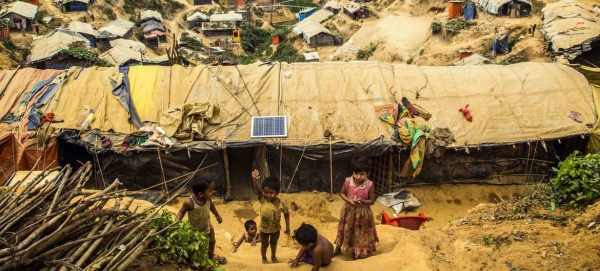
(453, 241)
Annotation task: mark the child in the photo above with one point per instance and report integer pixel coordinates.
(249, 236)
(356, 229)
(315, 250)
(271, 208)
(199, 206)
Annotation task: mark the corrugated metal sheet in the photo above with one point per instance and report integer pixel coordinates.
(352, 7)
(52, 43)
(82, 28)
(117, 27)
(333, 5)
(24, 9)
(320, 16)
(309, 23)
(197, 16)
(231, 16)
(568, 25)
(150, 26)
(310, 29)
(150, 14)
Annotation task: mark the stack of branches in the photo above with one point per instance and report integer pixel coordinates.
(56, 225)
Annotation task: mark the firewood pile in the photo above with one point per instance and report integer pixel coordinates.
(56, 225)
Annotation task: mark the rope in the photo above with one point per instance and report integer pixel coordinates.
(100, 168)
(247, 90)
(534, 152)
(295, 170)
(165, 189)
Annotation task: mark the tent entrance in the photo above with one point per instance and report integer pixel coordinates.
(240, 162)
(382, 169)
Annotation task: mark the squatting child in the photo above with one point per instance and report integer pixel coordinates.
(315, 250)
(250, 236)
(271, 207)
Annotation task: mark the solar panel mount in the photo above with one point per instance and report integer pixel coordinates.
(269, 126)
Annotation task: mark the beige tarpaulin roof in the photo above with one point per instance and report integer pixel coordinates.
(516, 103)
(569, 24)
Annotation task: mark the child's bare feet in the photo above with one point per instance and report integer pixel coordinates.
(274, 259)
(264, 259)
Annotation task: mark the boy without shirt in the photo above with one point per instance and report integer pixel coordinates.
(315, 250)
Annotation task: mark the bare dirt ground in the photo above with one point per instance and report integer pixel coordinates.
(473, 229)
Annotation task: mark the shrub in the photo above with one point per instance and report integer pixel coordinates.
(436, 27)
(366, 53)
(286, 53)
(577, 181)
(180, 243)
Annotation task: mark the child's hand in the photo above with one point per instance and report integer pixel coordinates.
(293, 262)
(253, 243)
(219, 219)
(255, 174)
(287, 231)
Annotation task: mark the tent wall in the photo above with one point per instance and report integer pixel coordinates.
(470, 11)
(143, 169)
(75, 6)
(16, 155)
(454, 10)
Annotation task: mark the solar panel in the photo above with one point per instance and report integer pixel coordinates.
(269, 126)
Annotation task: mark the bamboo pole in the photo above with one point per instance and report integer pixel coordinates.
(227, 178)
(330, 171)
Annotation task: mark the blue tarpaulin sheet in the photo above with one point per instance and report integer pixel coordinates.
(470, 11)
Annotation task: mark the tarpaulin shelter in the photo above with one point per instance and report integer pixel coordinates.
(454, 9)
(470, 11)
(46, 52)
(501, 44)
(511, 8)
(571, 30)
(519, 112)
(73, 5)
(18, 12)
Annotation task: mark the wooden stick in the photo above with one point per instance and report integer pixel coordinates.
(227, 180)
(330, 171)
(162, 170)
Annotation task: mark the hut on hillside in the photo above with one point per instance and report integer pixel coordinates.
(356, 11)
(196, 19)
(571, 31)
(47, 52)
(86, 30)
(73, 5)
(149, 15)
(18, 13)
(509, 8)
(333, 6)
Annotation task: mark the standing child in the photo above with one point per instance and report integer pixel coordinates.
(271, 208)
(250, 236)
(356, 229)
(315, 250)
(199, 206)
